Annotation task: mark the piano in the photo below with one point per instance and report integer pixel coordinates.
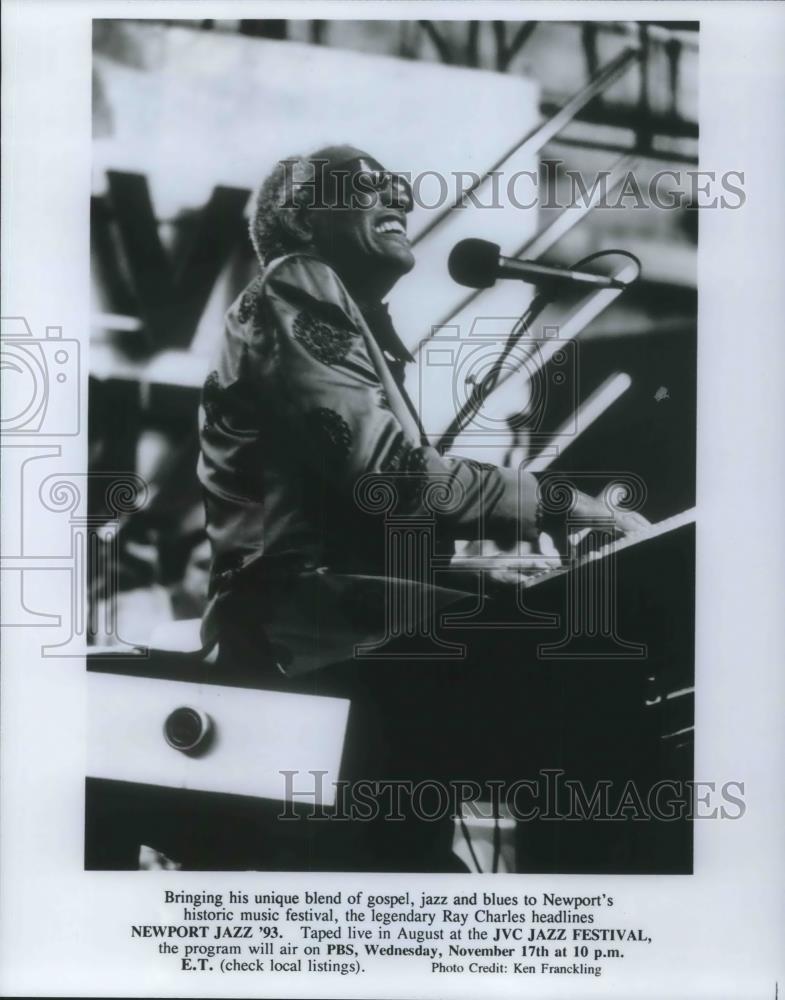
(598, 681)
(582, 673)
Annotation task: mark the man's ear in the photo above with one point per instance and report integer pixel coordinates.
(294, 215)
(297, 222)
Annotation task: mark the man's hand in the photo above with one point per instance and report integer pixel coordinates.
(510, 564)
(598, 514)
(507, 564)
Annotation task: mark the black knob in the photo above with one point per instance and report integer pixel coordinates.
(188, 729)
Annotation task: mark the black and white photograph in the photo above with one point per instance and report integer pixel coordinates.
(392, 475)
(402, 393)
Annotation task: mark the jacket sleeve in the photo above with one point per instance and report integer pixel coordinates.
(318, 364)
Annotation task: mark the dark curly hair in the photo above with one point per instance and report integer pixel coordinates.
(281, 200)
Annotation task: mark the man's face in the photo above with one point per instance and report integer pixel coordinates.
(364, 235)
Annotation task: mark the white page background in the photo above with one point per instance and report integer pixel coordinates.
(718, 933)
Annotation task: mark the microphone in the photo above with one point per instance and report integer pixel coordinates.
(478, 264)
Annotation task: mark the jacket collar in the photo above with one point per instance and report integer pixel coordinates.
(377, 316)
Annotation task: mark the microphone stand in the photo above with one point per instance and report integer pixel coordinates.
(482, 390)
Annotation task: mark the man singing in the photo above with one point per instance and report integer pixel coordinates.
(304, 411)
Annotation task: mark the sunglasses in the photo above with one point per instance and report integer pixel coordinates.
(363, 176)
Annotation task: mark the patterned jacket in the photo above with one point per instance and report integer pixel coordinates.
(309, 445)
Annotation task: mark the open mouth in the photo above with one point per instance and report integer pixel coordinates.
(390, 225)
